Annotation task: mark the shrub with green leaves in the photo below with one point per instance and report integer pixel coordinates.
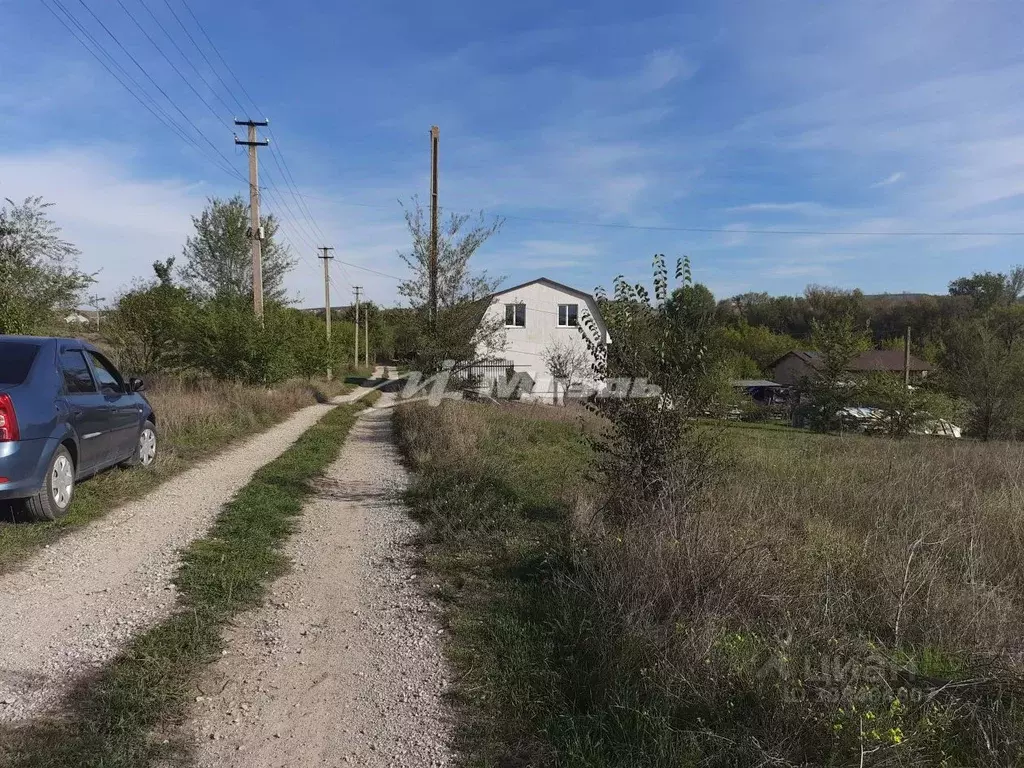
(663, 341)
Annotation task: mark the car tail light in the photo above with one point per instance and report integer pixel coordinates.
(8, 421)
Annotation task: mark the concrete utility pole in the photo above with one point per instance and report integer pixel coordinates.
(366, 322)
(357, 289)
(255, 230)
(906, 358)
(327, 299)
(435, 140)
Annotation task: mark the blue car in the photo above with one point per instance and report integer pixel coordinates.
(65, 413)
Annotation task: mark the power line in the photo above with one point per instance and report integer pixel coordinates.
(367, 269)
(711, 230)
(153, 81)
(203, 54)
(841, 233)
(169, 36)
(167, 58)
(151, 106)
(217, 52)
(276, 153)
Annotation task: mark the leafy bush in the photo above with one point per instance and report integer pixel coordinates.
(646, 457)
(163, 328)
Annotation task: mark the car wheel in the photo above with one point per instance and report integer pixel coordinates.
(58, 491)
(145, 450)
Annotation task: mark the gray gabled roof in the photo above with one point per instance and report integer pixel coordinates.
(889, 360)
(552, 283)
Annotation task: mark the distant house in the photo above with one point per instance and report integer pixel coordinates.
(794, 367)
(76, 319)
(536, 316)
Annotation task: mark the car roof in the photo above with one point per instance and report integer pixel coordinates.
(42, 341)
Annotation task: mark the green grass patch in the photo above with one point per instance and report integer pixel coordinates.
(825, 600)
(192, 427)
(126, 715)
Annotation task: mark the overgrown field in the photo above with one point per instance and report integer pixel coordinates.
(825, 601)
(194, 420)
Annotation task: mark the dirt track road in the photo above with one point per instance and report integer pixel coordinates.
(341, 666)
(75, 603)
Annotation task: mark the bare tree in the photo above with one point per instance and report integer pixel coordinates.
(461, 330)
(567, 363)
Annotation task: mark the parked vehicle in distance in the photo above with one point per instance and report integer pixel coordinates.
(65, 413)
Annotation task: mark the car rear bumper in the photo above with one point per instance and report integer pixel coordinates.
(23, 464)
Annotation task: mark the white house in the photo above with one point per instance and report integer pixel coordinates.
(537, 316)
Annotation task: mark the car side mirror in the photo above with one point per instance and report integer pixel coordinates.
(136, 384)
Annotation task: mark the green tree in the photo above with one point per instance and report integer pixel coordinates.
(692, 305)
(831, 389)
(39, 275)
(218, 257)
(982, 362)
(988, 290)
(902, 409)
(458, 333)
(755, 345)
(148, 328)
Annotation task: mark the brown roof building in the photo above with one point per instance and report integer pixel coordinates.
(794, 367)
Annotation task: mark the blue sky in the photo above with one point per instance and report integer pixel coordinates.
(865, 116)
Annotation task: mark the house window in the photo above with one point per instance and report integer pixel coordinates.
(568, 314)
(515, 315)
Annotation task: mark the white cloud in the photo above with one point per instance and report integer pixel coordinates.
(664, 67)
(799, 208)
(890, 179)
(123, 223)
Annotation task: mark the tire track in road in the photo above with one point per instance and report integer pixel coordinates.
(342, 665)
(75, 603)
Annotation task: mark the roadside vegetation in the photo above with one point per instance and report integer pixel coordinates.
(195, 420)
(125, 716)
(633, 585)
(821, 601)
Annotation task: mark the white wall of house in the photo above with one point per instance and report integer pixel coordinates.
(524, 346)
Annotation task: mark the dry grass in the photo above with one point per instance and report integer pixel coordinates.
(825, 601)
(192, 415)
(195, 419)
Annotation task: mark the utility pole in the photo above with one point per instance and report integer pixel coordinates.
(94, 302)
(366, 322)
(435, 140)
(906, 358)
(357, 289)
(327, 300)
(255, 230)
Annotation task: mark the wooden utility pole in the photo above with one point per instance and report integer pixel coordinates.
(357, 289)
(327, 300)
(435, 140)
(906, 358)
(255, 230)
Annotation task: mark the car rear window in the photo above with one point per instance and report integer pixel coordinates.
(16, 358)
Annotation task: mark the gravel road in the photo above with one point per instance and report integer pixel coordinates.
(341, 666)
(75, 603)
